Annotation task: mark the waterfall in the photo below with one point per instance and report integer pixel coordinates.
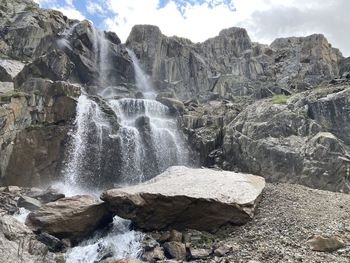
(100, 48)
(63, 42)
(143, 82)
(144, 142)
(150, 141)
(85, 155)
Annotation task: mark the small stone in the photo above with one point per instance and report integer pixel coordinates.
(149, 243)
(156, 254)
(28, 203)
(49, 195)
(175, 236)
(222, 250)
(199, 253)
(71, 217)
(164, 236)
(325, 244)
(54, 244)
(175, 250)
(12, 188)
(123, 260)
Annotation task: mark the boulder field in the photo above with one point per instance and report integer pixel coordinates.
(287, 227)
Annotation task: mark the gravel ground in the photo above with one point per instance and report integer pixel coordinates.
(286, 217)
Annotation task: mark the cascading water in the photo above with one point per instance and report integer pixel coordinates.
(85, 157)
(118, 141)
(101, 49)
(119, 241)
(149, 139)
(63, 42)
(142, 80)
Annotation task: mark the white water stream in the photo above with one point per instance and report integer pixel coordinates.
(120, 242)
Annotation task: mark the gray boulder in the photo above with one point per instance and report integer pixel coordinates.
(183, 198)
(71, 217)
(28, 203)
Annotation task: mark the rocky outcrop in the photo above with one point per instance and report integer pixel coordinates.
(35, 125)
(28, 31)
(294, 142)
(204, 125)
(98, 57)
(199, 199)
(231, 65)
(71, 217)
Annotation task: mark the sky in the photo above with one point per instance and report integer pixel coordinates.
(198, 20)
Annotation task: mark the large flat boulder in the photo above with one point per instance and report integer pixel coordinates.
(182, 197)
(71, 217)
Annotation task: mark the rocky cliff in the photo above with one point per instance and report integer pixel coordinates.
(280, 111)
(232, 65)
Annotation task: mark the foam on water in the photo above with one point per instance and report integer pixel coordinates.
(118, 243)
(21, 215)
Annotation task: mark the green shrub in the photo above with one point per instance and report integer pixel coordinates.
(279, 99)
(34, 127)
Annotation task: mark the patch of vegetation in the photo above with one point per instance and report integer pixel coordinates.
(207, 239)
(280, 99)
(303, 113)
(15, 94)
(34, 127)
(30, 8)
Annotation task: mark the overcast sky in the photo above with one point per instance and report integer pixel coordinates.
(199, 20)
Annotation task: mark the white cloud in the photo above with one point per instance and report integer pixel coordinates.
(94, 8)
(265, 20)
(200, 22)
(300, 18)
(65, 6)
(70, 12)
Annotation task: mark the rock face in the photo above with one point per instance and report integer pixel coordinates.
(297, 142)
(221, 90)
(231, 65)
(188, 198)
(71, 217)
(34, 129)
